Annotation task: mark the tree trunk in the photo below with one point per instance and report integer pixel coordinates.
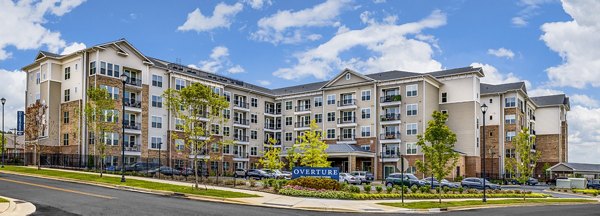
(196, 171)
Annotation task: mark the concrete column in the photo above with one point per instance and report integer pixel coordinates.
(351, 163)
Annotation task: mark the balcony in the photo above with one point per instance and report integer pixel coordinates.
(240, 156)
(346, 139)
(272, 127)
(346, 122)
(241, 139)
(239, 122)
(302, 125)
(241, 105)
(272, 111)
(390, 118)
(347, 104)
(300, 110)
(134, 81)
(132, 125)
(134, 103)
(390, 136)
(132, 147)
(276, 144)
(390, 99)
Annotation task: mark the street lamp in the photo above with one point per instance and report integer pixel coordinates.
(159, 147)
(3, 138)
(124, 79)
(483, 110)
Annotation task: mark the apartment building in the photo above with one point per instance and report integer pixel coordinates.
(511, 110)
(370, 122)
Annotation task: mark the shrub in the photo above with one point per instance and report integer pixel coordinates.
(228, 182)
(367, 188)
(271, 182)
(389, 190)
(405, 189)
(397, 188)
(354, 189)
(472, 191)
(344, 186)
(252, 183)
(414, 189)
(316, 183)
(446, 189)
(265, 184)
(378, 188)
(425, 189)
(458, 179)
(437, 190)
(552, 188)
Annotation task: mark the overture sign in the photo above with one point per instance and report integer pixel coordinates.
(333, 172)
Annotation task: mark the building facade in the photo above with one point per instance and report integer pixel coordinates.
(370, 122)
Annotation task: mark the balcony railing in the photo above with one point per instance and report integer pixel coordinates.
(241, 138)
(272, 111)
(133, 103)
(301, 124)
(241, 121)
(132, 125)
(276, 143)
(134, 147)
(346, 102)
(347, 138)
(532, 132)
(302, 108)
(390, 154)
(272, 126)
(134, 81)
(240, 104)
(346, 120)
(390, 135)
(240, 154)
(390, 117)
(390, 98)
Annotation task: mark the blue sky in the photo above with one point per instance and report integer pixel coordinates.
(275, 43)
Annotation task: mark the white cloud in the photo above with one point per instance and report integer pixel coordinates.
(264, 82)
(378, 1)
(530, 9)
(284, 26)
(13, 84)
(502, 53)
(258, 4)
(218, 59)
(577, 42)
(493, 76)
(540, 91)
(222, 17)
(236, 69)
(22, 24)
(74, 47)
(390, 47)
(583, 100)
(584, 138)
(519, 21)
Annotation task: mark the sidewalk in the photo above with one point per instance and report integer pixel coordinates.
(16, 207)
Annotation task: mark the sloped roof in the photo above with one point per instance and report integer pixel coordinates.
(49, 54)
(551, 100)
(581, 167)
(299, 88)
(501, 88)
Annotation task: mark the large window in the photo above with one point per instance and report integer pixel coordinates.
(365, 131)
(288, 105)
(254, 102)
(66, 117)
(92, 68)
(253, 134)
(67, 95)
(509, 102)
(318, 101)
(226, 131)
(411, 148)
(157, 80)
(288, 120)
(366, 113)
(330, 99)
(179, 84)
(253, 118)
(444, 97)
(103, 68)
(411, 109)
(110, 116)
(66, 139)
(112, 91)
(411, 129)
(179, 144)
(156, 101)
(253, 151)
(67, 73)
(411, 90)
(318, 118)
(510, 135)
(330, 133)
(288, 136)
(156, 122)
(509, 119)
(366, 95)
(156, 142)
(330, 116)
(179, 124)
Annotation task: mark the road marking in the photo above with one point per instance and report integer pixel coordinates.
(57, 188)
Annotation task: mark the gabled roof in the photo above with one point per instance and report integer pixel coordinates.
(552, 100)
(47, 54)
(299, 88)
(502, 88)
(341, 74)
(580, 167)
(123, 40)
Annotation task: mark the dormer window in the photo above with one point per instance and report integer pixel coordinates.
(348, 76)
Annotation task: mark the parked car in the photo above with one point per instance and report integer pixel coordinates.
(593, 184)
(477, 183)
(258, 174)
(348, 179)
(239, 173)
(141, 166)
(364, 176)
(432, 184)
(408, 180)
(164, 170)
(530, 181)
(436, 183)
(278, 174)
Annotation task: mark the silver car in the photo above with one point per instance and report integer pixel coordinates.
(348, 179)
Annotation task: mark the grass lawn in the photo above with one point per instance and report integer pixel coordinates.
(472, 203)
(130, 182)
(2, 200)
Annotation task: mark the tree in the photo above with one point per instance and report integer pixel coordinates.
(36, 127)
(311, 148)
(190, 105)
(99, 101)
(437, 146)
(523, 164)
(271, 158)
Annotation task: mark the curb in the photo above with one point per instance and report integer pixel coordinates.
(17, 207)
(572, 194)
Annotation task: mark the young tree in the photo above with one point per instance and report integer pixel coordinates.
(271, 158)
(189, 105)
(437, 146)
(523, 164)
(36, 125)
(312, 148)
(292, 156)
(99, 100)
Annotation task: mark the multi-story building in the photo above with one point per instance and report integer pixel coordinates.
(370, 122)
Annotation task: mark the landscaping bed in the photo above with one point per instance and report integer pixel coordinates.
(591, 192)
(478, 203)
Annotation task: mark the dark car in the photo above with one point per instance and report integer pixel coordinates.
(436, 183)
(594, 184)
(257, 174)
(239, 173)
(364, 176)
(408, 180)
(477, 183)
(530, 181)
(165, 170)
(141, 166)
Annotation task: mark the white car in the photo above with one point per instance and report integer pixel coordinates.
(348, 179)
(278, 174)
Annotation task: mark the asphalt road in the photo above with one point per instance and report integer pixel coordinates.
(63, 198)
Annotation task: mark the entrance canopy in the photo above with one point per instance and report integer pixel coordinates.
(576, 168)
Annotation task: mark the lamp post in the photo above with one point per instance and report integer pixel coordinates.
(123, 80)
(3, 138)
(159, 147)
(483, 110)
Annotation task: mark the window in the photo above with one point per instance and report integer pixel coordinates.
(491, 100)
(509, 119)
(510, 153)
(491, 117)
(510, 135)
(365, 131)
(156, 101)
(253, 151)
(92, 68)
(156, 142)
(67, 95)
(157, 81)
(318, 118)
(366, 147)
(227, 114)
(102, 67)
(366, 113)
(411, 90)
(521, 106)
(117, 70)
(179, 84)
(411, 109)
(110, 70)
(215, 128)
(66, 139)
(111, 138)
(110, 116)
(411, 129)
(112, 91)
(226, 131)
(253, 118)
(67, 73)
(66, 117)
(227, 96)
(348, 76)
(254, 102)
(288, 120)
(253, 134)
(445, 112)
(509, 102)
(226, 149)
(330, 133)
(156, 122)
(288, 105)
(179, 144)
(330, 99)
(444, 97)
(366, 95)
(318, 101)
(179, 123)
(411, 148)
(288, 136)
(37, 78)
(348, 133)
(330, 116)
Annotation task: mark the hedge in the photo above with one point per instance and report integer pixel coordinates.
(316, 183)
